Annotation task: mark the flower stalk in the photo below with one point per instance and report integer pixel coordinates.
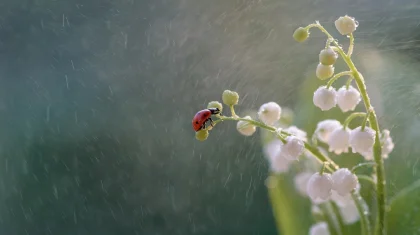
(379, 170)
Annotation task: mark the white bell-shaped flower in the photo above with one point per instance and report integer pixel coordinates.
(339, 141)
(349, 212)
(293, 148)
(348, 99)
(272, 148)
(344, 181)
(386, 143)
(325, 128)
(297, 132)
(278, 163)
(269, 113)
(301, 182)
(346, 25)
(362, 141)
(325, 98)
(320, 228)
(245, 128)
(319, 186)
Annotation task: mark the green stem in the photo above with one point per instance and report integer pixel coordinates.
(362, 165)
(363, 210)
(366, 178)
(380, 227)
(337, 76)
(329, 219)
(232, 111)
(323, 168)
(365, 121)
(348, 83)
(353, 116)
(338, 216)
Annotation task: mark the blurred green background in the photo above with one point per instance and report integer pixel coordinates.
(97, 97)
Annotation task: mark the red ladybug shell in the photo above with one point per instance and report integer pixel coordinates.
(200, 118)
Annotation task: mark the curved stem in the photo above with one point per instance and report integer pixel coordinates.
(362, 165)
(363, 210)
(339, 217)
(348, 83)
(365, 121)
(337, 76)
(353, 116)
(329, 219)
(366, 178)
(380, 171)
(232, 111)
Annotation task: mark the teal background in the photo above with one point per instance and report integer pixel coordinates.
(96, 99)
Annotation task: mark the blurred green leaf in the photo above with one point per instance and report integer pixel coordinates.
(404, 216)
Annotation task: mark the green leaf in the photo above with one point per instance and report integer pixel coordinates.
(404, 216)
(288, 219)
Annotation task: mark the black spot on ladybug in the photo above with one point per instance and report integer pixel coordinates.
(196, 122)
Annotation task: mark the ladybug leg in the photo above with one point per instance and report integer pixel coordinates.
(203, 126)
(211, 122)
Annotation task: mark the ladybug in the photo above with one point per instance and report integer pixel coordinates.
(201, 117)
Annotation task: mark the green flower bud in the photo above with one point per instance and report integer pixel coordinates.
(324, 71)
(230, 97)
(202, 135)
(215, 104)
(301, 34)
(328, 56)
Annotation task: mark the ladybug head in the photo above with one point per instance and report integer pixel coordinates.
(214, 110)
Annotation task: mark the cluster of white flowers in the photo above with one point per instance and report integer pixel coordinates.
(327, 98)
(337, 186)
(291, 142)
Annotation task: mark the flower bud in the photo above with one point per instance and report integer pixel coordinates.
(320, 228)
(245, 128)
(339, 141)
(325, 128)
(215, 104)
(348, 99)
(293, 148)
(202, 135)
(344, 181)
(325, 98)
(328, 56)
(230, 97)
(346, 25)
(301, 34)
(324, 71)
(362, 141)
(319, 186)
(269, 113)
